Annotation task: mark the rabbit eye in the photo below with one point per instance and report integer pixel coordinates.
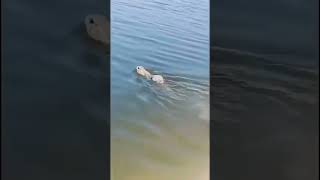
(91, 21)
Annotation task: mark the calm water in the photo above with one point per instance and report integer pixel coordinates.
(54, 87)
(265, 89)
(160, 131)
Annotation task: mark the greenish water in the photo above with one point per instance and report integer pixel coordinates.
(160, 131)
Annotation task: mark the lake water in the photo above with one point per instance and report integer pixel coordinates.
(265, 94)
(160, 131)
(264, 97)
(55, 96)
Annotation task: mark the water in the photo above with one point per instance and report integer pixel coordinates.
(160, 131)
(54, 89)
(264, 112)
(264, 95)
(265, 92)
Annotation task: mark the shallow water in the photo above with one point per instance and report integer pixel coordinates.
(265, 86)
(160, 131)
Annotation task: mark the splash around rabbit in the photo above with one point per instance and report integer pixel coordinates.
(143, 72)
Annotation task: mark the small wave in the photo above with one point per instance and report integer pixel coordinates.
(178, 92)
(242, 81)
